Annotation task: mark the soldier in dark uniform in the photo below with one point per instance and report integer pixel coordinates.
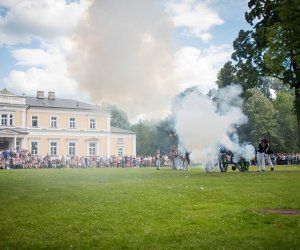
(260, 156)
(268, 153)
(187, 158)
(186, 161)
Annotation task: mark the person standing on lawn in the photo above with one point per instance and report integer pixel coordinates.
(268, 153)
(158, 159)
(186, 161)
(260, 156)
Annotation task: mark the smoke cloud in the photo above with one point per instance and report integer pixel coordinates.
(203, 124)
(122, 55)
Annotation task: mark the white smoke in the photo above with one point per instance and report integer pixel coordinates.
(123, 55)
(203, 124)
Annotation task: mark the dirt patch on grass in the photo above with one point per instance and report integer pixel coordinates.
(282, 211)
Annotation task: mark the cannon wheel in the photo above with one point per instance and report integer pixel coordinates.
(223, 163)
(245, 166)
(223, 166)
(242, 166)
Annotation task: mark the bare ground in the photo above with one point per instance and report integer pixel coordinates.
(282, 211)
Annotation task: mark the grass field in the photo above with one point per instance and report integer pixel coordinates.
(148, 209)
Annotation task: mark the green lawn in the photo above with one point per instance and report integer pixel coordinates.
(148, 209)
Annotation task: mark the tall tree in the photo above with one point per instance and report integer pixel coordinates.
(165, 135)
(262, 118)
(286, 121)
(118, 118)
(248, 63)
(272, 48)
(227, 75)
(144, 138)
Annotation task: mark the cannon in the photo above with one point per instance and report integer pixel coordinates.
(226, 158)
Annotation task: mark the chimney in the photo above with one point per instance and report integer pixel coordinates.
(40, 94)
(51, 95)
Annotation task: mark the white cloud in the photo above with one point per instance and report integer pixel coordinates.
(200, 67)
(47, 19)
(44, 66)
(47, 70)
(197, 17)
(33, 57)
(49, 78)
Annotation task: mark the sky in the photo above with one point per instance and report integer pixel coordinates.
(132, 53)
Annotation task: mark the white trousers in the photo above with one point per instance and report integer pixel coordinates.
(260, 157)
(210, 166)
(268, 159)
(157, 163)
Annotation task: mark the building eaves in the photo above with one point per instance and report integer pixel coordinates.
(120, 130)
(14, 130)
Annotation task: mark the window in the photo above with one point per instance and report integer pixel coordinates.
(72, 148)
(53, 148)
(72, 122)
(120, 151)
(34, 121)
(18, 145)
(6, 119)
(34, 148)
(120, 140)
(92, 123)
(92, 148)
(53, 122)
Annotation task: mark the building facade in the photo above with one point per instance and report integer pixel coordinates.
(46, 125)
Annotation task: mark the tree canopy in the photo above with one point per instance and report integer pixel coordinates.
(118, 118)
(270, 50)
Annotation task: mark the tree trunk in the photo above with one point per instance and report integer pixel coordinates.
(297, 109)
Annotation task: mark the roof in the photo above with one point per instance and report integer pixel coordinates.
(5, 92)
(120, 130)
(58, 103)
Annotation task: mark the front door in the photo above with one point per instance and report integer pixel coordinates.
(4, 145)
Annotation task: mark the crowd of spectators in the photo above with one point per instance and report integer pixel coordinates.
(283, 159)
(286, 159)
(23, 159)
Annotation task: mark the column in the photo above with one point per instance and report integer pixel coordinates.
(15, 143)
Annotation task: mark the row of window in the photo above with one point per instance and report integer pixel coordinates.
(7, 120)
(53, 122)
(92, 148)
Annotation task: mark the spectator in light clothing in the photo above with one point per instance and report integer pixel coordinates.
(158, 159)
